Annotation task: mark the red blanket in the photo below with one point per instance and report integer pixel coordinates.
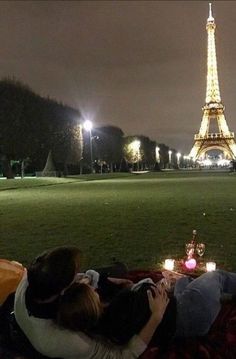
(220, 343)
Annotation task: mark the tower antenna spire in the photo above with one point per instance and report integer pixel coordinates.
(210, 18)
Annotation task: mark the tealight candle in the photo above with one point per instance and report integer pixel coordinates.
(210, 266)
(169, 264)
(190, 263)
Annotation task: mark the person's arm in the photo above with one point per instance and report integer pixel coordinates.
(138, 343)
(126, 283)
(157, 304)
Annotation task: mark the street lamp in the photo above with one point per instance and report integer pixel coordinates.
(135, 145)
(88, 127)
(157, 154)
(170, 153)
(178, 158)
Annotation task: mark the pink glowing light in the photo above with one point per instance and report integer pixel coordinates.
(190, 263)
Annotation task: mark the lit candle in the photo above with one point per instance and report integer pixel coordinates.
(169, 264)
(210, 266)
(190, 263)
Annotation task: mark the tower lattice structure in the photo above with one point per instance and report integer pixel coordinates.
(213, 110)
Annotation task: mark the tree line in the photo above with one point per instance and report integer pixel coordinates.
(32, 127)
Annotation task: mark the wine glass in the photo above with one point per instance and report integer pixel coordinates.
(189, 249)
(200, 249)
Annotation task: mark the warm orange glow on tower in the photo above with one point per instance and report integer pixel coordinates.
(213, 110)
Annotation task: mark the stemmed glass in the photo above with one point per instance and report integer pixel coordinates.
(189, 249)
(200, 249)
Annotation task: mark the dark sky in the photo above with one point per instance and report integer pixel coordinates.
(138, 65)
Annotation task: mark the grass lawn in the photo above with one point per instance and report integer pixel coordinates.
(139, 219)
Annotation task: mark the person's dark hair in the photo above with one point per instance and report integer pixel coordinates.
(53, 271)
(79, 308)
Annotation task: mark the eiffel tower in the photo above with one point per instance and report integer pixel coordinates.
(213, 110)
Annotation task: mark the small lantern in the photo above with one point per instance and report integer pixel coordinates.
(210, 266)
(169, 264)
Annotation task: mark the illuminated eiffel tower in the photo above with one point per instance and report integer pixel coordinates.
(213, 110)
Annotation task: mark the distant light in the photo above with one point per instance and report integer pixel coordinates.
(170, 152)
(135, 145)
(88, 125)
(178, 155)
(207, 162)
(157, 154)
(223, 162)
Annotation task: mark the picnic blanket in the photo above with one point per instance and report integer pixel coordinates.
(220, 343)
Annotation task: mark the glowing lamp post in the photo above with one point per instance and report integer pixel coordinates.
(88, 127)
(169, 153)
(178, 155)
(135, 145)
(158, 154)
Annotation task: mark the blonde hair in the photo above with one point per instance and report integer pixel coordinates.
(79, 308)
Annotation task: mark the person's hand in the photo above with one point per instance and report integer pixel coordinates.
(82, 278)
(158, 301)
(85, 280)
(126, 283)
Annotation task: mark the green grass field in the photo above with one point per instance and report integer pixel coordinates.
(139, 219)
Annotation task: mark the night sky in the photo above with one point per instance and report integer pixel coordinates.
(137, 65)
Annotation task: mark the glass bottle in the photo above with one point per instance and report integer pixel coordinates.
(194, 237)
